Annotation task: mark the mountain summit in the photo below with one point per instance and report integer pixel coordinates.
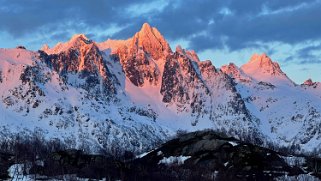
(142, 56)
(262, 64)
(77, 41)
(308, 82)
(262, 68)
(150, 40)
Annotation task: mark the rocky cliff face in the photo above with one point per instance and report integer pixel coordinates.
(81, 64)
(182, 83)
(141, 56)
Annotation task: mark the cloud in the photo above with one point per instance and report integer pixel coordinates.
(206, 25)
(308, 53)
(21, 17)
(241, 28)
(239, 25)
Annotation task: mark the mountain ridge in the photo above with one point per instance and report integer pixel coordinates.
(132, 94)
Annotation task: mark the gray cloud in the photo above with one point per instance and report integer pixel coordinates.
(311, 61)
(21, 17)
(244, 28)
(206, 24)
(309, 54)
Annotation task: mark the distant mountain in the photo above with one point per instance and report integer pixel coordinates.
(262, 68)
(133, 94)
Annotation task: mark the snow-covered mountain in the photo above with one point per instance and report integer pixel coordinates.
(289, 114)
(134, 94)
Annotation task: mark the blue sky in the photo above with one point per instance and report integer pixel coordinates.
(224, 31)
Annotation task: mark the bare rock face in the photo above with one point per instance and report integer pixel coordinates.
(139, 68)
(221, 86)
(81, 57)
(235, 72)
(142, 57)
(310, 83)
(182, 83)
(151, 41)
(139, 58)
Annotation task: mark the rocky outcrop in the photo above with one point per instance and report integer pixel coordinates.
(203, 155)
(183, 85)
(6, 160)
(310, 83)
(235, 72)
(207, 155)
(141, 56)
(82, 58)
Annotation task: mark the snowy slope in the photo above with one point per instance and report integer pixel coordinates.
(35, 98)
(289, 114)
(312, 87)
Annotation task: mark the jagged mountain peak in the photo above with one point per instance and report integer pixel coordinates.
(151, 41)
(138, 95)
(262, 58)
(79, 37)
(191, 54)
(76, 41)
(231, 69)
(308, 82)
(146, 28)
(149, 31)
(147, 40)
(262, 61)
(179, 49)
(230, 66)
(262, 68)
(76, 55)
(45, 47)
(235, 72)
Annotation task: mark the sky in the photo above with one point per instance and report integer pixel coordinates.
(222, 31)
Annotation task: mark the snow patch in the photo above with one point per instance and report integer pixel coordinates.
(174, 160)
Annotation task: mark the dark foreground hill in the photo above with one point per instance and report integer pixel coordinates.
(203, 155)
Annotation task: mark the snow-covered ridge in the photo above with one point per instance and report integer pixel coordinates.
(77, 40)
(135, 93)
